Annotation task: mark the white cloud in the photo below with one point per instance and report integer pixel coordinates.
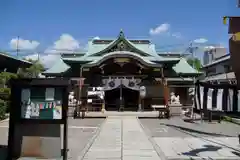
(97, 38)
(160, 29)
(177, 35)
(32, 56)
(200, 40)
(46, 59)
(207, 48)
(65, 44)
(20, 43)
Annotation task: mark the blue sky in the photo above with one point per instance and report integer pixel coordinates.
(40, 23)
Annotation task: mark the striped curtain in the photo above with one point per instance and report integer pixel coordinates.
(219, 97)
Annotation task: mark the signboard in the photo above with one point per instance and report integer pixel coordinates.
(142, 91)
(121, 60)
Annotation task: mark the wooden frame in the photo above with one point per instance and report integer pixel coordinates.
(15, 107)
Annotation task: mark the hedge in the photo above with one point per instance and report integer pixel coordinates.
(3, 109)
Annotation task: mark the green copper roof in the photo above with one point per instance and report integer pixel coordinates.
(58, 67)
(148, 59)
(124, 54)
(142, 50)
(99, 49)
(94, 49)
(182, 67)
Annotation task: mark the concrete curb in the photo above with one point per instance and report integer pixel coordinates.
(90, 142)
(235, 120)
(155, 146)
(5, 120)
(232, 120)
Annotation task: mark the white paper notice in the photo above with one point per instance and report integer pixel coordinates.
(230, 100)
(219, 99)
(26, 107)
(57, 112)
(49, 94)
(201, 97)
(209, 99)
(238, 100)
(35, 110)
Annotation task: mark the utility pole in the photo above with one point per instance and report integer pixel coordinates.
(191, 50)
(17, 45)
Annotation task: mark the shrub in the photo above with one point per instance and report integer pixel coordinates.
(5, 93)
(3, 107)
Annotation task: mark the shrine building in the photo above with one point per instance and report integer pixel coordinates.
(121, 67)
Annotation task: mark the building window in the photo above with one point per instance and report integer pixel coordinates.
(210, 71)
(227, 68)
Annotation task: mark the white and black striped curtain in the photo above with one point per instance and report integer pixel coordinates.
(222, 97)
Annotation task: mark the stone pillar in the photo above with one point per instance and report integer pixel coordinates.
(139, 104)
(103, 107)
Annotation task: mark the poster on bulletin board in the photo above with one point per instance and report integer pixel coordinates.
(41, 108)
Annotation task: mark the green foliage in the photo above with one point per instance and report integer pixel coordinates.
(5, 93)
(3, 108)
(228, 119)
(195, 62)
(6, 76)
(33, 71)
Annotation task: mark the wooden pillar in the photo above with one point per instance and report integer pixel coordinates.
(165, 87)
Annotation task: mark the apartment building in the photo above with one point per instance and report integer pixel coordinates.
(217, 66)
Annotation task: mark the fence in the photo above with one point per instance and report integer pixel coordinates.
(221, 97)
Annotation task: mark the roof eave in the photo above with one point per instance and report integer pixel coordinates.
(190, 74)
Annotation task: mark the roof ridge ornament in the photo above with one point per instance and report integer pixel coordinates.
(121, 34)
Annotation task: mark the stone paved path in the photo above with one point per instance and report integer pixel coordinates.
(220, 148)
(121, 138)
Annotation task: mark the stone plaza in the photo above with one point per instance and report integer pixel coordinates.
(130, 138)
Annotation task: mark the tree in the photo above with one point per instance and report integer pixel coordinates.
(5, 77)
(5, 92)
(195, 62)
(33, 71)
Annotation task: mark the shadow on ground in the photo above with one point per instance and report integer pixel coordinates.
(194, 131)
(3, 151)
(205, 148)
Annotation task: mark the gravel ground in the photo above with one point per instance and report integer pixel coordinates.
(176, 127)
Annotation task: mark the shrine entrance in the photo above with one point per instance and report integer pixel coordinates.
(121, 98)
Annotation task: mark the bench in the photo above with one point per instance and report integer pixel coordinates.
(217, 114)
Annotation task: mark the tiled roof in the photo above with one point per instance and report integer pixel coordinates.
(223, 76)
(59, 67)
(14, 58)
(183, 67)
(225, 58)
